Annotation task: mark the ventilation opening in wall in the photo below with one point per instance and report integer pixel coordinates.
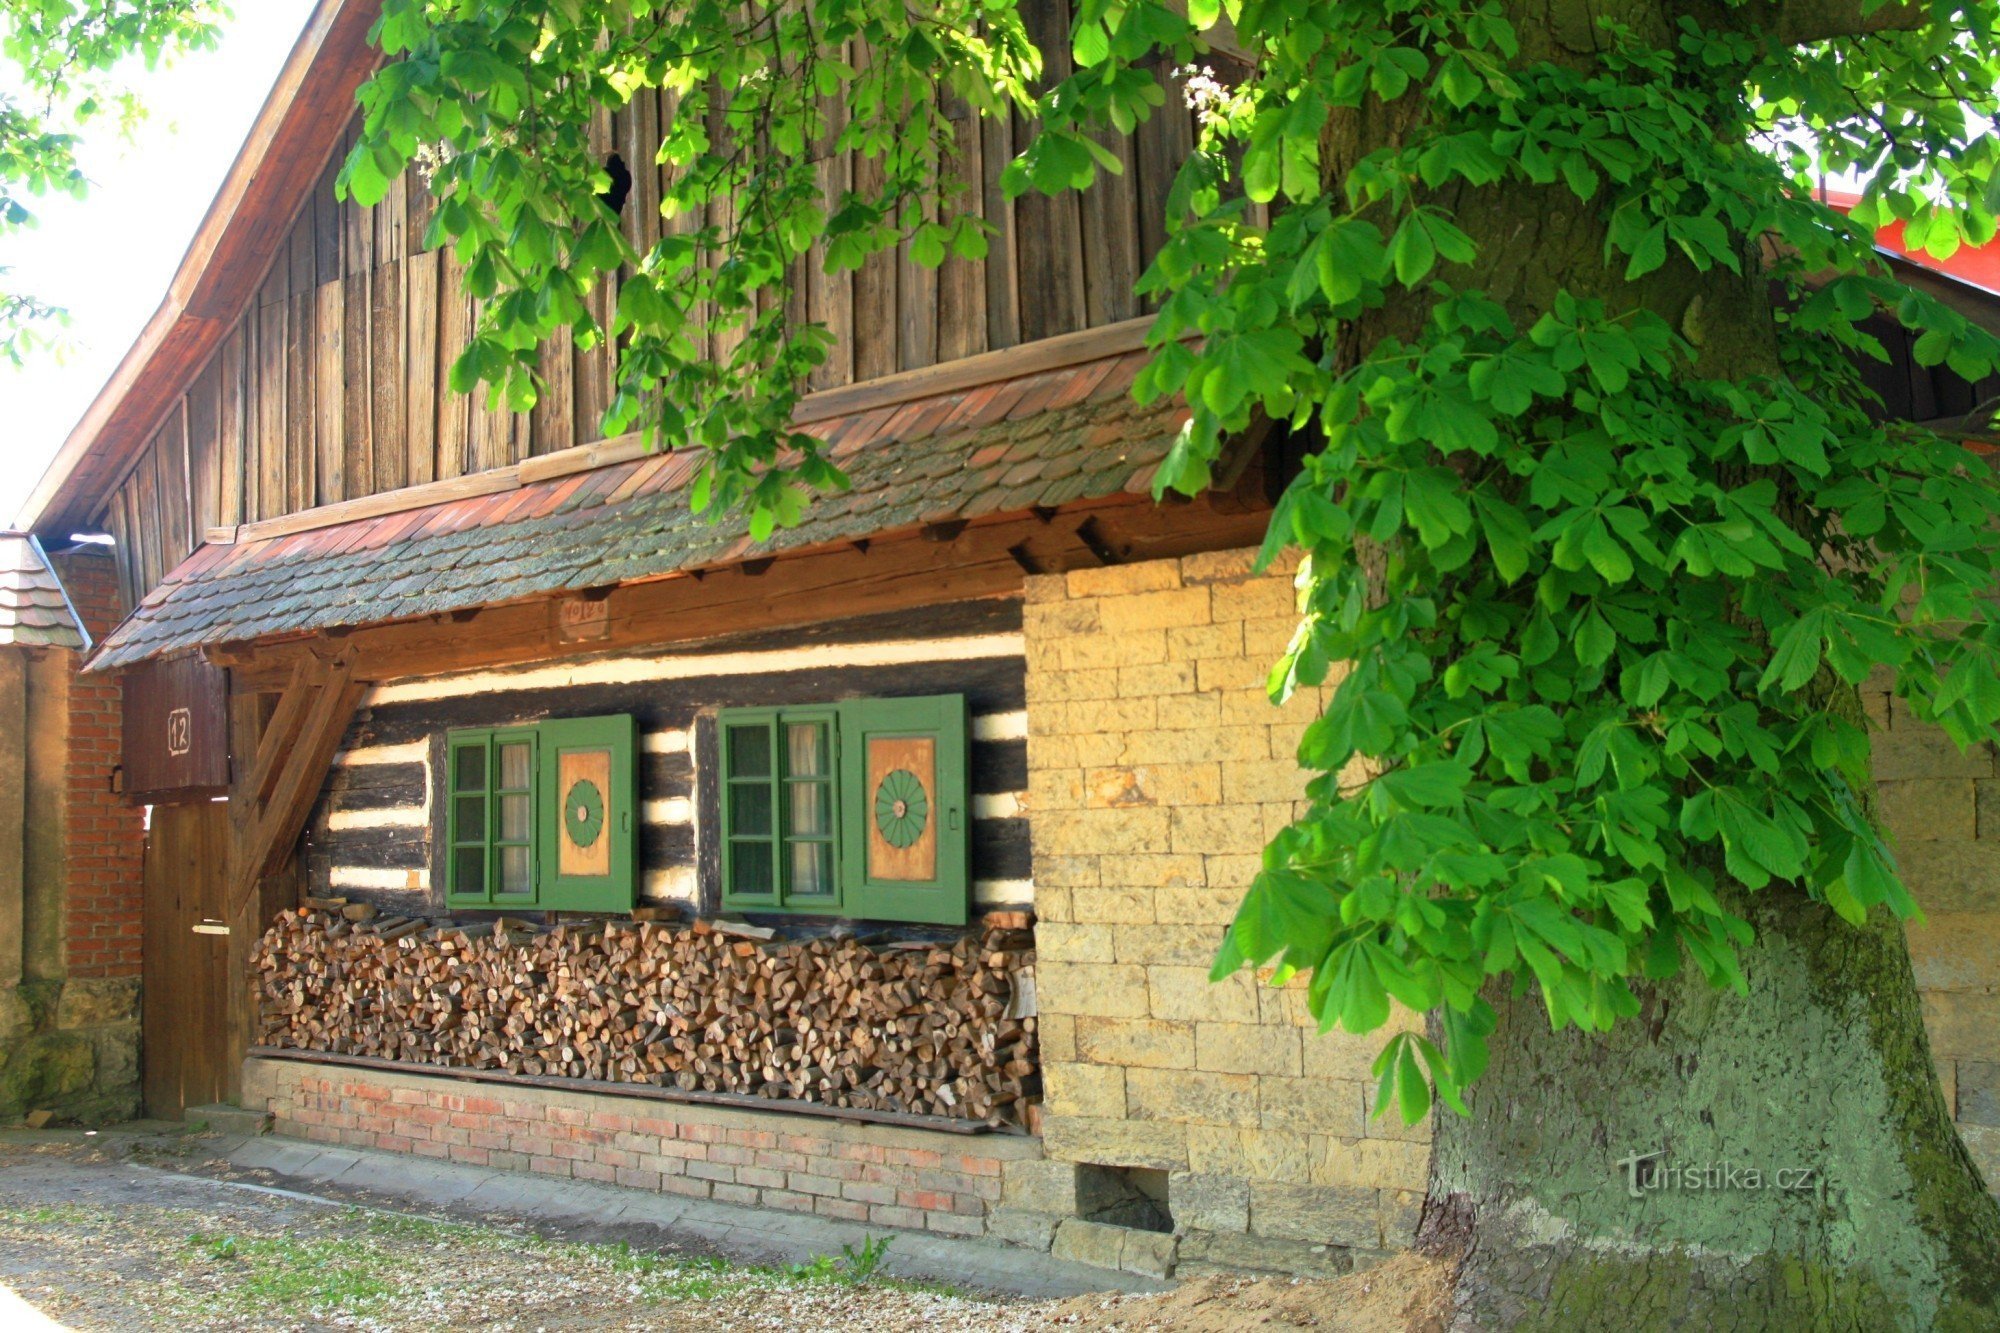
(1124, 1196)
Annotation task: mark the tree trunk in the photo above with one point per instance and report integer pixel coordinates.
(1784, 1160)
(1781, 1160)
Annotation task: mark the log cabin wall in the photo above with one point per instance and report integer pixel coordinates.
(376, 832)
(334, 384)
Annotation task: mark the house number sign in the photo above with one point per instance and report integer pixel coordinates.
(180, 731)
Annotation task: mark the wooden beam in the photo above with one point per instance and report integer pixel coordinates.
(282, 731)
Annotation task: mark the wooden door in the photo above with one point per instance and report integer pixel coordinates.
(186, 959)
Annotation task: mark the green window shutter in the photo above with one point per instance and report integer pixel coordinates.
(905, 809)
(588, 815)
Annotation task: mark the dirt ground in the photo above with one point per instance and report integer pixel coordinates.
(91, 1239)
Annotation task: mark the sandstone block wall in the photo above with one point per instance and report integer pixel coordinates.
(1158, 769)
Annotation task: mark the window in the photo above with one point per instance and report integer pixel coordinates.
(541, 816)
(853, 809)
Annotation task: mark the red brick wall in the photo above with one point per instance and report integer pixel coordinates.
(921, 1180)
(106, 835)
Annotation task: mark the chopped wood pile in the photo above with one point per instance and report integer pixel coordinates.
(944, 1029)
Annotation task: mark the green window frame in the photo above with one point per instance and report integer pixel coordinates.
(491, 785)
(799, 821)
(510, 842)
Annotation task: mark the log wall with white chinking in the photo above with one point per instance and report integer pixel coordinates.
(379, 822)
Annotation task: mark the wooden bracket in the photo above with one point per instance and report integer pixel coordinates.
(293, 755)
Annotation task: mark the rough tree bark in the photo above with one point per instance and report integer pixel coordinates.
(1603, 1182)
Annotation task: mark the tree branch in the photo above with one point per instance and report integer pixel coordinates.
(1800, 22)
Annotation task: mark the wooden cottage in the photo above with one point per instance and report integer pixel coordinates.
(504, 811)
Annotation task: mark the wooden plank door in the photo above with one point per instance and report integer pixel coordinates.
(186, 971)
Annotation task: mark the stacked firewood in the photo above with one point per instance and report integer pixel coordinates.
(933, 1029)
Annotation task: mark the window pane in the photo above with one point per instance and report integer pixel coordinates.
(805, 750)
(750, 809)
(750, 752)
(750, 867)
(806, 811)
(812, 868)
(470, 876)
(471, 769)
(513, 870)
(471, 818)
(514, 818)
(514, 765)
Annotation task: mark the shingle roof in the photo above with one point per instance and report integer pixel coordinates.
(34, 611)
(1041, 441)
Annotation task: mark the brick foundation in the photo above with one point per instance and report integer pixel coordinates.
(881, 1175)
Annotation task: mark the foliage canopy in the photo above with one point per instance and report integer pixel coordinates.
(58, 65)
(1606, 560)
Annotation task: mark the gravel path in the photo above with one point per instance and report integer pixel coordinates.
(96, 1241)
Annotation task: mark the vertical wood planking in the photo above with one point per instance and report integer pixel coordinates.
(386, 375)
(1159, 147)
(300, 418)
(1051, 239)
(204, 442)
(874, 283)
(273, 494)
(356, 445)
(330, 319)
(830, 296)
(552, 425)
(1111, 238)
(231, 454)
(420, 366)
(961, 284)
(325, 210)
(454, 432)
(1002, 268)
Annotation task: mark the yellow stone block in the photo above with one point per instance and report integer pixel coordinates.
(1134, 647)
(1963, 1025)
(1109, 989)
(1056, 1034)
(1248, 1154)
(1114, 906)
(1353, 1163)
(1191, 1097)
(1223, 566)
(1252, 781)
(1155, 610)
(1193, 747)
(1084, 1089)
(1211, 907)
(1247, 1048)
(1153, 870)
(1146, 1043)
(1389, 1125)
(1187, 993)
(1037, 588)
(1156, 679)
(1154, 784)
(1189, 712)
(1198, 643)
(1124, 580)
(1057, 942)
(1101, 832)
(1170, 944)
(1119, 1142)
(1219, 829)
(1044, 622)
(1311, 1106)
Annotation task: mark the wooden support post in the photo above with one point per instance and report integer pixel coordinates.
(294, 743)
